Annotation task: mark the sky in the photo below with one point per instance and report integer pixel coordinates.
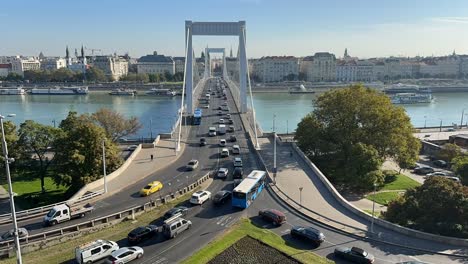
(368, 28)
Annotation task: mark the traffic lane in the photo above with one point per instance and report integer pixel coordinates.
(384, 253)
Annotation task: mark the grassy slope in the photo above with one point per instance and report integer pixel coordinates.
(401, 183)
(383, 198)
(243, 228)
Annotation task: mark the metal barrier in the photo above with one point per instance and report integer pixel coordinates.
(31, 213)
(29, 242)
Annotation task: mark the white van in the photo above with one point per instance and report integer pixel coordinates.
(175, 225)
(94, 251)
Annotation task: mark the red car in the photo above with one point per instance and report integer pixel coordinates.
(272, 215)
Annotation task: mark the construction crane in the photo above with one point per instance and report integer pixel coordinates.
(93, 50)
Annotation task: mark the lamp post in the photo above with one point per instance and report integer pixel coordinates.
(440, 129)
(274, 149)
(373, 210)
(425, 119)
(151, 128)
(10, 190)
(300, 195)
(104, 164)
(287, 127)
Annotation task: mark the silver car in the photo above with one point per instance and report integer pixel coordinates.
(125, 255)
(22, 233)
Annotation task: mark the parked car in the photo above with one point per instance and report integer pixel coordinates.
(440, 163)
(453, 178)
(237, 162)
(308, 233)
(151, 188)
(142, 233)
(221, 197)
(354, 254)
(200, 197)
(272, 215)
(437, 173)
(238, 173)
(202, 141)
(182, 210)
(192, 165)
(223, 173)
(222, 142)
(125, 255)
(423, 170)
(232, 138)
(9, 235)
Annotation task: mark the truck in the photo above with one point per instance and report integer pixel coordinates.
(64, 212)
(222, 129)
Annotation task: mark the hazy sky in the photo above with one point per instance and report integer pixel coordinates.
(368, 28)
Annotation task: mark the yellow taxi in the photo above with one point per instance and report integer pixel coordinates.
(152, 187)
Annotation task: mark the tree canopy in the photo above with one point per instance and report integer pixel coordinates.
(115, 124)
(438, 206)
(351, 131)
(11, 138)
(460, 166)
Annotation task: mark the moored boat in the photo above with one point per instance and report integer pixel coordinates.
(12, 90)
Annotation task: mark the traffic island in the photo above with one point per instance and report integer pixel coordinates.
(247, 243)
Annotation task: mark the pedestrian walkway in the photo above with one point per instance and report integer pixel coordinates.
(293, 174)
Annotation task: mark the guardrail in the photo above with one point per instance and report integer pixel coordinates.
(35, 212)
(36, 241)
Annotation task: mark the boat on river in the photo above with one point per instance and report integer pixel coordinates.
(12, 90)
(161, 92)
(120, 91)
(71, 90)
(411, 98)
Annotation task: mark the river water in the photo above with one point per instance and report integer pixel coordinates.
(158, 114)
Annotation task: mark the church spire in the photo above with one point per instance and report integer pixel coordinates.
(82, 51)
(230, 54)
(67, 53)
(346, 53)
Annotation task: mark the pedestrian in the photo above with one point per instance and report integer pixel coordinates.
(151, 157)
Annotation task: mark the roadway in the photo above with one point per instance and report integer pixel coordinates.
(208, 220)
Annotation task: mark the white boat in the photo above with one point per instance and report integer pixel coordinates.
(411, 98)
(72, 90)
(161, 92)
(121, 91)
(12, 91)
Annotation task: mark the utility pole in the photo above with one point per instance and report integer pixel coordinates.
(274, 149)
(19, 259)
(461, 122)
(104, 164)
(373, 210)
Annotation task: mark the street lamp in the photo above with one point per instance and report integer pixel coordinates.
(373, 210)
(104, 164)
(10, 190)
(425, 119)
(461, 121)
(274, 149)
(440, 130)
(300, 195)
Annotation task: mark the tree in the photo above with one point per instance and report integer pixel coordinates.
(449, 152)
(14, 77)
(115, 124)
(35, 141)
(95, 74)
(11, 138)
(78, 152)
(343, 119)
(460, 167)
(438, 206)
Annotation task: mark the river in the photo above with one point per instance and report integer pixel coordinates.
(158, 114)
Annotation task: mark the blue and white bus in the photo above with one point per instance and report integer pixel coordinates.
(249, 189)
(197, 116)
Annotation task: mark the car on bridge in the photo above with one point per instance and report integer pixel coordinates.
(233, 138)
(237, 162)
(151, 188)
(221, 197)
(308, 233)
(221, 121)
(10, 235)
(223, 173)
(202, 141)
(125, 255)
(224, 153)
(142, 233)
(200, 197)
(354, 254)
(238, 173)
(222, 142)
(192, 165)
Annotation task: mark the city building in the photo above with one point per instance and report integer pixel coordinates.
(20, 64)
(232, 67)
(53, 63)
(276, 68)
(179, 64)
(113, 66)
(154, 63)
(4, 69)
(319, 68)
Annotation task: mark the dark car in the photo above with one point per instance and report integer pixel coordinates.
(423, 170)
(221, 197)
(440, 163)
(308, 233)
(202, 141)
(179, 209)
(237, 182)
(142, 233)
(238, 173)
(230, 121)
(354, 254)
(272, 215)
(232, 138)
(219, 108)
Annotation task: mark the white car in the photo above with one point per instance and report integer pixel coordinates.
(437, 173)
(221, 121)
(207, 106)
(237, 162)
(223, 173)
(224, 152)
(222, 143)
(200, 197)
(192, 165)
(9, 235)
(235, 149)
(125, 255)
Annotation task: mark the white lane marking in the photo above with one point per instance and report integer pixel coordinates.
(226, 221)
(328, 242)
(221, 218)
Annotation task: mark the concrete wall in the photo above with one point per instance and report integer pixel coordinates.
(383, 223)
